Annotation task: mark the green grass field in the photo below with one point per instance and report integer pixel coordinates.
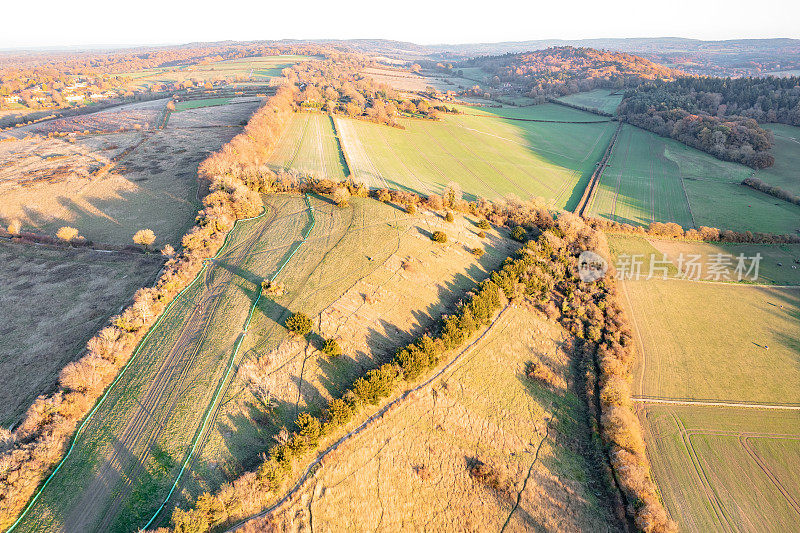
(603, 99)
(251, 68)
(706, 341)
(203, 102)
(774, 267)
(725, 469)
(487, 155)
(718, 468)
(785, 173)
(309, 144)
(650, 179)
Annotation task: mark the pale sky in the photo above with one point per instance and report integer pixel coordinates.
(44, 23)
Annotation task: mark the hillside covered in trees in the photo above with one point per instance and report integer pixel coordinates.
(717, 115)
(566, 70)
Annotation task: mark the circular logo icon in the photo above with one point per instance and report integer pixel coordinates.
(591, 266)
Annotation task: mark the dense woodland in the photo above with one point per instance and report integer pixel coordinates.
(338, 85)
(717, 115)
(566, 70)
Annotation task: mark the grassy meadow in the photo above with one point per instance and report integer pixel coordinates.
(785, 173)
(486, 154)
(718, 468)
(131, 451)
(652, 178)
(774, 268)
(260, 69)
(203, 102)
(373, 280)
(153, 184)
(309, 145)
(605, 100)
(411, 471)
(706, 341)
(53, 301)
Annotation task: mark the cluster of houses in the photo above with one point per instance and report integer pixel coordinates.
(76, 93)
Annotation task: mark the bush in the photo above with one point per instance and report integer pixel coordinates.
(478, 251)
(439, 236)
(384, 196)
(331, 348)
(519, 234)
(14, 227)
(482, 235)
(341, 196)
(145, 237)
(449, 216)
(67, 234)
(484, 224)
(299, 324)
(411, 209)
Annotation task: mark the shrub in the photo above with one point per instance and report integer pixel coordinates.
(145, 237)
(341, 196)
(449, 216)
(541, 373)
(67, 234)
(519, 234)
(478, 251)
(484, 224)
(482, 235)
(411, 209)
(384, 196)
(439, 236)
(331, 348)
(14, 227)
(299, 324)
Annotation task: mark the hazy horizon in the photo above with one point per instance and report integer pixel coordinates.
(100, 25)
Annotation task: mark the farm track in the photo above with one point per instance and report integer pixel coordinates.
(712, 403)
(708, 489)
(787, 495)
(590, 194)
(132, 449)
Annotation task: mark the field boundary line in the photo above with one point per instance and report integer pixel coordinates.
(312, 467)
(711, 403)
(122, 372)
(212, 406)
(594, 180)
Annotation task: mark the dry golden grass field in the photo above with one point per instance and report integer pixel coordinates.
(418, 468)
(369, 276)
(52, 301)
(150, 183)
(716, 381)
